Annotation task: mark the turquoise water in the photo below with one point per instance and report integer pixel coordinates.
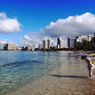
(18, 68)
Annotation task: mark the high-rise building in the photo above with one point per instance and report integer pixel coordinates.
(71, 42)
(59, 43)
(29, 47)
(48, 43)
(44, 44)
(40, 46)
(9, 46)
(81, 38)
(90, 37)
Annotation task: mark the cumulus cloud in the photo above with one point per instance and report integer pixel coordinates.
(27, 37)
(34, 38)
(8, 25)
(4, 41)
(72, 26)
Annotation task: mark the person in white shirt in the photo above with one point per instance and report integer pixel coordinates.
(90, 65)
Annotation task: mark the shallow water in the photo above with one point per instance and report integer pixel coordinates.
(18, 68)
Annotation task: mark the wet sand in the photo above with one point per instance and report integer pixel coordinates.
(66, 79)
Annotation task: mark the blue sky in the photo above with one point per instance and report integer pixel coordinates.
(36, 15)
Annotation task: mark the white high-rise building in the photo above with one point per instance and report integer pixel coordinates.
(9, 46)
(90, 37)
(71, 42)
(40, 46)
(61, 43)
(81, 38)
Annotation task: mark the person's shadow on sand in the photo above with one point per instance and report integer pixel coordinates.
(68, 76)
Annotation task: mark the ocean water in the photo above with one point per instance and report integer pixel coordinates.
(18, 68)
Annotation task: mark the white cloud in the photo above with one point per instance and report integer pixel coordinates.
(4, 41)
(34, 38)
(8, 25)
(27, 37)
(72, 26)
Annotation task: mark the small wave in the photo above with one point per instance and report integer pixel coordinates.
(18, 63)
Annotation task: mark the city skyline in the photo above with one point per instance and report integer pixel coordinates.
(47, 44)
(31, 21)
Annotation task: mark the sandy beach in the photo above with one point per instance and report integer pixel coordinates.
(66, 79)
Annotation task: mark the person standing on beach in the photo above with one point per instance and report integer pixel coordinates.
(89, 65)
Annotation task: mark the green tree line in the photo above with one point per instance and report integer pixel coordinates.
(86, 45)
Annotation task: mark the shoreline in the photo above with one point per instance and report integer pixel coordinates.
(89, 53)
(66, 79)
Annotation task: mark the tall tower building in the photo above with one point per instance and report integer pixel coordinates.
(71, 42)
(44, 44)
(40, 46)
(48, 43)
(59, 43)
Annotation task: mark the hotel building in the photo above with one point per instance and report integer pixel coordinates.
(9, 46)
(46, 44)
(71, 42)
